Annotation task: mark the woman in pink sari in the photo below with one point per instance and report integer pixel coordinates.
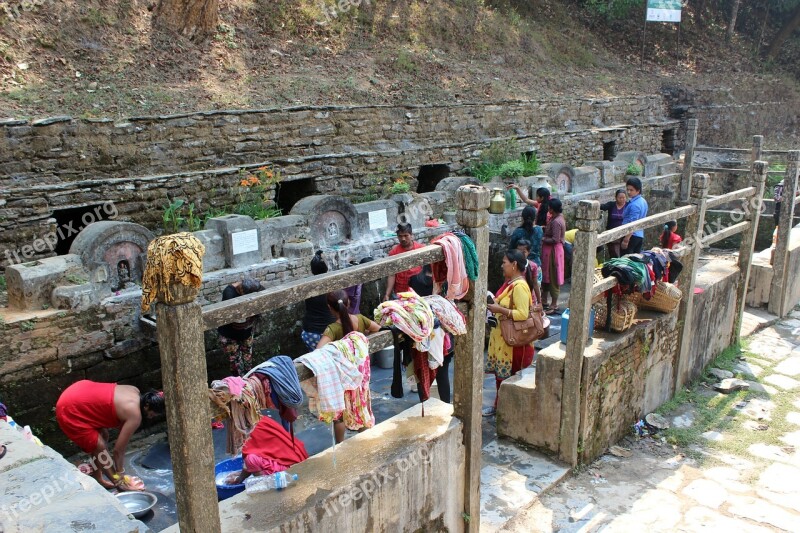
(553, 257)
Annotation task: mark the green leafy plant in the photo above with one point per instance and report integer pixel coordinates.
(484, 172)
(400, 186)
(171, 217)
(193, 222)
(531, 164)
(3, 282)
(511, 170)
(28, 325)
(76, 279)
(254, 193)
(634, 169)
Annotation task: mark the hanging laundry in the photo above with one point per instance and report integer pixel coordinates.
(243, 408)
(447, 313)
(358, 403)
(452, 269)
(409, 313)
(334, 373)
(470, 254)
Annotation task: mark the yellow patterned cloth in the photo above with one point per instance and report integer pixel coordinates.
(172, 259)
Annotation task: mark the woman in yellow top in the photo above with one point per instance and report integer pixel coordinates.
(339, 302)
(512, 300)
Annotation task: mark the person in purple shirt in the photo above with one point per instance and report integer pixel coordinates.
(635, 209)
(615, 210)
(354, 292)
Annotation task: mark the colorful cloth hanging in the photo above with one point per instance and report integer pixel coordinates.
(409, 313)
(451, 319)
(470, 254)
(452, 269)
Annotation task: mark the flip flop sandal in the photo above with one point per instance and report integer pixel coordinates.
(554, 311)
(3, 453)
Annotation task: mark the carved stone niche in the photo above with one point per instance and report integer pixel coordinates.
(113, 252)
(331, 219)
(562, 175)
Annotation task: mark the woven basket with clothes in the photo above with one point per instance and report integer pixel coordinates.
(598, 277)
(665, 299)
(623, 313)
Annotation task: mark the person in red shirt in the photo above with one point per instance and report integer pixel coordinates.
(400, 282)
(669, 238)
(85, 411)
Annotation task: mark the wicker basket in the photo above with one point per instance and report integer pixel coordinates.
(665, 298)
(598, 277)
(623, 313)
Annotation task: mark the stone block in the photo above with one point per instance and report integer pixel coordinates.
(299, 250)
(376, 217)
(30, 285)
(93, 341)
(214, 258)
(19, 450)
(241, 244)
(78, 297)
(585, 179)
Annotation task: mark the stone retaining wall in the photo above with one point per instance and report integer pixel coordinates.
(143, 163)
(625, 376)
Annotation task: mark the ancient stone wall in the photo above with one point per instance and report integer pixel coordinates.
(143, 163)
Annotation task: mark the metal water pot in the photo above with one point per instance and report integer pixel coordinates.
(497, 206)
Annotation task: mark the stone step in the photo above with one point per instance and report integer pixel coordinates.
(512, 478)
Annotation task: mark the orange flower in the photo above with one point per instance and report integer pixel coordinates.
(243, 183)
(263, 168)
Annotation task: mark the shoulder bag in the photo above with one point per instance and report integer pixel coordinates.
(522, 332)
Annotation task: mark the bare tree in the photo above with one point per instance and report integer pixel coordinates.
(792, 24)
(732, 25)
(194, 19)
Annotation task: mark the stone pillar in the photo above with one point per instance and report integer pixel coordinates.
(691, 142)
(587, 220)
(472, 202)
(691, 259)
(183, 372)
(777, 293)
(757, 153)
(758, 177)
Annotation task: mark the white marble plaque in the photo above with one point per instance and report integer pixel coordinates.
(245, 241)
(377, 219)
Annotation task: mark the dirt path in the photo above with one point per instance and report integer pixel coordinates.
(728, 463)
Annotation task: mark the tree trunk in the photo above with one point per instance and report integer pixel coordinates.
(792, 24)
(732, 25)
(194, 19)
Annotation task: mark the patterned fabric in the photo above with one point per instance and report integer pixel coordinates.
(452, 269)
(470, 255)
(448, 314)
(171, 260)
(409, 313)
(501, 355)
(335, 371)
(358, 402)
(310, 339)
(240, 354)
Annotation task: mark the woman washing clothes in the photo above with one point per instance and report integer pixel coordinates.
(512, 301)
(338, 302)
(553, 257)
(318, 314)
(85, 411)
(268, 449)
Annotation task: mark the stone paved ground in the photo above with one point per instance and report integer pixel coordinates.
(729, 463)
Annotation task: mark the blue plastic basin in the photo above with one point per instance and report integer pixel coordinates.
(229, 465)
(565, 324)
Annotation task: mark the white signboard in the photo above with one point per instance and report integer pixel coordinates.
(664, 10)
(245, 241)
(377, 219)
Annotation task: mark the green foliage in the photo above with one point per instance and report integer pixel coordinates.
(76, 279)
(400, 186)
(634, 169)
(501, 151)
(193, 222)
(171, 217)
(612, 9)
(531, 164)
(28, 325)
(3, 285)
(511, 170)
